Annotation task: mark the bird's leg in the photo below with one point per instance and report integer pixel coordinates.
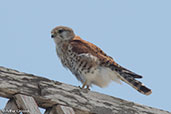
(83, 87)
(84, 84)
(88, 88)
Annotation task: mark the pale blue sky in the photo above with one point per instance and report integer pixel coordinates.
(137, 34)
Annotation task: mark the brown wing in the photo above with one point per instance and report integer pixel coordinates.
(81, 46)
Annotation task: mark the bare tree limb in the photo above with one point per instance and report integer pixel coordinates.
(48, 93)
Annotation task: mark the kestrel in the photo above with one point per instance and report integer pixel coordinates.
(89, 63)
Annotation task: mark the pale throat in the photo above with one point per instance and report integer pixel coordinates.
(60, 47)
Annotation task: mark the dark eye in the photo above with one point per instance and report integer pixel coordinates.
(60, 31)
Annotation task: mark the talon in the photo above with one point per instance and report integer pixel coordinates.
(88, 88)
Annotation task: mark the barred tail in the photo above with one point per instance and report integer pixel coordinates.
(130, 78)
(136, 84)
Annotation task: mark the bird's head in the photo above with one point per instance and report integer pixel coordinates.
(62, 33)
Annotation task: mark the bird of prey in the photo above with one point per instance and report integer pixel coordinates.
(89, 63)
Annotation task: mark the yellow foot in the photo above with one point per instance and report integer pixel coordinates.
(87, 89)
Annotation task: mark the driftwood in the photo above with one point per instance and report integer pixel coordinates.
(26, 104)
(51, 94)
(11, 107)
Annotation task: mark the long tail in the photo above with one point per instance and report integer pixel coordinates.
(130, 78)
(136, 84)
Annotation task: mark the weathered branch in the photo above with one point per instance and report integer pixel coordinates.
(48, 93)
